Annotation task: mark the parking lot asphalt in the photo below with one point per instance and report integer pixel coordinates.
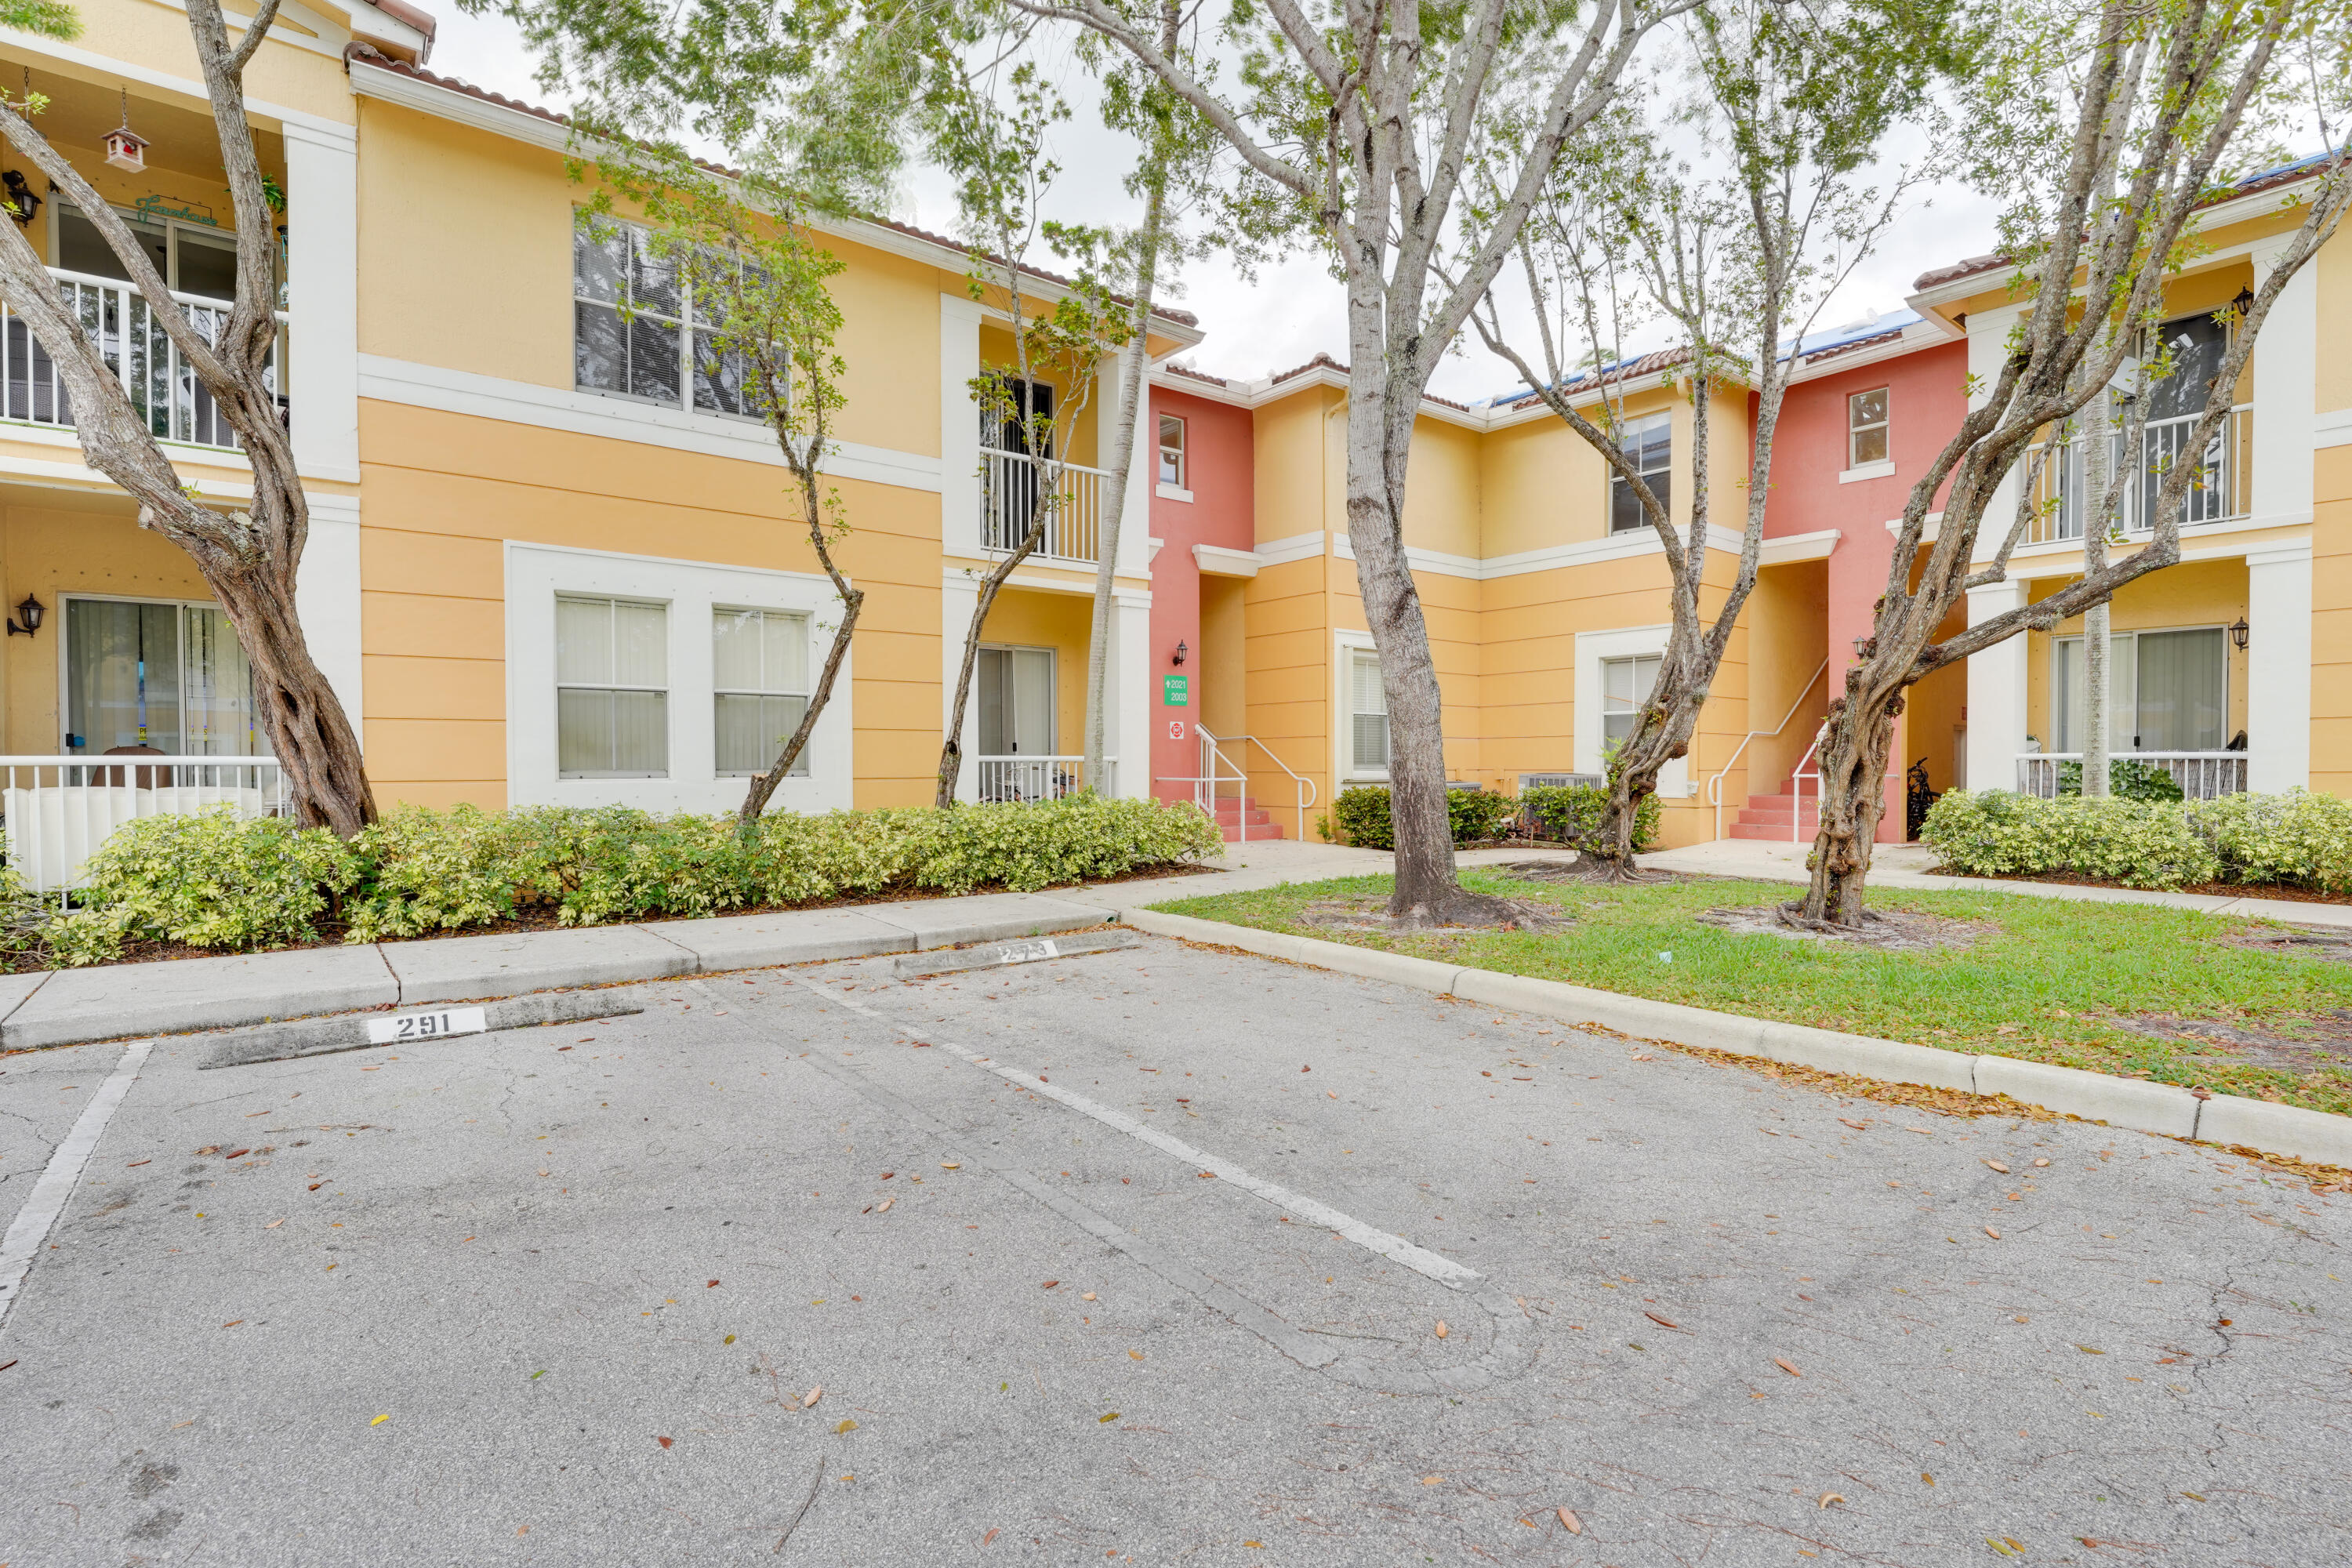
(1164, 1255)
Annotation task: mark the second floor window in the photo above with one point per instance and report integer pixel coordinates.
(1171, 451)
(1650, 442)
(634, 330)
(1866, 426)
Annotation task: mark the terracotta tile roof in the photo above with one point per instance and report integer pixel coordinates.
(1624, 369)
(2252, 184)
(362, 55)
(1324, 361)
(1190, 373)
(1848, 347)
(416, 16)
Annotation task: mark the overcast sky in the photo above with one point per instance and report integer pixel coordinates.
(1293, 311)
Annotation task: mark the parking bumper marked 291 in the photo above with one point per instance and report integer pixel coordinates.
(1420, 1259)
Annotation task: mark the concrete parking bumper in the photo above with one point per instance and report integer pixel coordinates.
(108, 1002)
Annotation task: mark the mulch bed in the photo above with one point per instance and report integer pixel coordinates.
(1889, 930)
(2287, 891)
(332, 933)
(2324, 1042)
(1370, 912)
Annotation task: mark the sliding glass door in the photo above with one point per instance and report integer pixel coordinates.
(162, 676)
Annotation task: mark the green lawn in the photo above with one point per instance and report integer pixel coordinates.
(2047, 983)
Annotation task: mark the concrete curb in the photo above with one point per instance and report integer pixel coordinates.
(348, 1031)
(2134, 1103)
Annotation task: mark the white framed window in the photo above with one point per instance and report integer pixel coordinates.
(194, 257)
(634, 330)
(760, 689)
(612, 688)
(1650, 442)
(1866, 428)
(2166, 691)
(1171, 451)
(1625, 684)
(1368, 714)
(162, 674)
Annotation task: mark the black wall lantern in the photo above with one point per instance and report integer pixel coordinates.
(21, 202)
(1180, 653)
(2241, 634)
(30, 612)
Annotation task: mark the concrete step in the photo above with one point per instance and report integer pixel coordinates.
(1775, 833)
(1259, 831)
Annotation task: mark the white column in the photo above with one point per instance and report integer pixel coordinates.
(2278, 672)
(959, 426)
(959, 597)
(327, 598)
(1135, 512)
(1997, 693)
(2286, 377)
(1126, 732)
(322, 300)
(1988, 352)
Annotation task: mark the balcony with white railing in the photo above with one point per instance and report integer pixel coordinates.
(2201, 775)
(1014, 493)
(2222, 489)
(162, 387)
(1024, 780)
(56, 811)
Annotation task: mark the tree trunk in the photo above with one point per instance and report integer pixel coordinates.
(2095, 693)
(1852, 762)
(300, 716)
(763, 787)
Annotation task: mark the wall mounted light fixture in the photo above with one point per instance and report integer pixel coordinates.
(1179, 652)
(2241, 634)
(30, 612)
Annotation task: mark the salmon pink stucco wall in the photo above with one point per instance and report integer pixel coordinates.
(1218, 460)
(1926, 399)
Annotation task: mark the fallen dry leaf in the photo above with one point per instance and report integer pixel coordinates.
(1993, 1233)
(2042, 1161)
(1442, 1330)
(991, 1535)
(1570, 1522)
(273, 1225)
(884, 1207)
(665, 1442)
(380, 1419)
(812, 1395)
(950, 1165)
(1087, 1297)
(844, 1426)
(1049, 1284)
(711, 1285)
(1858, 1126)
(1789, 1367)
(236, 1153)
(232, 1323)
(1433, 1480)
(1259, 1544)
(1926, 1478)
(1661, 1322)
(1828, 1498)
(1135, 1355)
(1998, 1166)
(209, 1149)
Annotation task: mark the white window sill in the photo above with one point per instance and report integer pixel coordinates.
(1882, 469)
(1172, 492)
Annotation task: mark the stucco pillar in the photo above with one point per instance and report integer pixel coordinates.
(1988, 352)
(322, 300)
(1995, 693)
(1135, 511)
(327, 599)
(1126, 732)
(2278, 675)
(2287, 373)
(959, 597)
(959, 427)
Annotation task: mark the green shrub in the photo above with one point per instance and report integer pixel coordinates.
(1570, 812)
(2141, 844)
(2128, 779)
(208, 878)
(1360, 816)
(217, 880)
(2298, 837)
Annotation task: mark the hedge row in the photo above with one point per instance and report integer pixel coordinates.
(213, 880)
(1359, 814)
(2297, 839)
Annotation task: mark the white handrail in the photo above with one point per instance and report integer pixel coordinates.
(1714, 784)
(1303, 791)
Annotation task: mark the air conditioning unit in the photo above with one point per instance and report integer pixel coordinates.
(1530, 781)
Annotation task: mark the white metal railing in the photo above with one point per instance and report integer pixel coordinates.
(1013, 492)
(162, 387)
(1213, 762)
(1025, 780)
(2201, 775)
(2221, 491)
(56, 810)
(1715, 783)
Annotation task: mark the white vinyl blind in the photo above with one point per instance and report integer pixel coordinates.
(612, 688)
(1369, 709)
(759, 688)
(1625, 685)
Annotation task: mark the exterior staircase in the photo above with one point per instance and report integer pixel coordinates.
(1233, 811)
(1793, 813)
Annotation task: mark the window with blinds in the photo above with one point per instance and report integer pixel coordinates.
(1625, 685)
(612, 688)
(1369, 709)
(759, 688)
(1650, 445)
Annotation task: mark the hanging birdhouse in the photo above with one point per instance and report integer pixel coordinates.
(126, 149)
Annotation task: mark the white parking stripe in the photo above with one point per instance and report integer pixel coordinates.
(57, 1184)
(1420, 1259)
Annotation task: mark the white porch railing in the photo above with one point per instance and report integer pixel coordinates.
(2201, 775)
(162, 387)
(2221, 491)
(1013, 492)
(56, 810)
(1217, 768)
(1025, 780)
